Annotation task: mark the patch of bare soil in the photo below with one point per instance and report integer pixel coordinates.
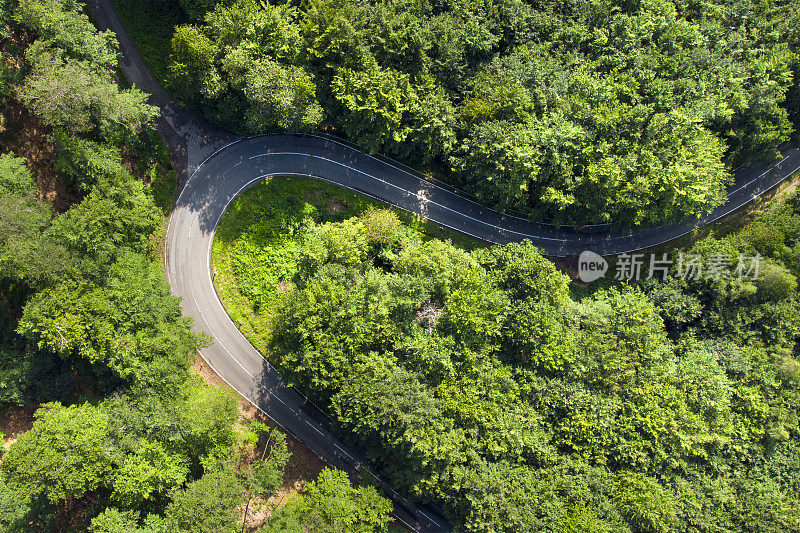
(16, 420)
(335, 206)
(303, 466)
(25, 134)
(284, 286)
(314, 197)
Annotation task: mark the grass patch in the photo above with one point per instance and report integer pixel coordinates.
(253, 257)
(164, 190)
(163, 182)
(150, 26)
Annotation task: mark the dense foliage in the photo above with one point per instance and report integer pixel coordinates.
(585, 111)
(478, 381)
(126, 438)
(255, 250)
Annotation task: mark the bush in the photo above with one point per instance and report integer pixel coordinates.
(15, 178)
(83, 163)
(775, 283)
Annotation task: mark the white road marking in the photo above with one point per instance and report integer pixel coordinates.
(344, 452)
(314, 427)
(418, 196)
(499, 228)
(429, 517)
(770, 169)
(501, 231)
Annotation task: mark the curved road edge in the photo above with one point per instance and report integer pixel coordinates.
(221, 166)
(230, 170)
(338, 163)
(187, 250)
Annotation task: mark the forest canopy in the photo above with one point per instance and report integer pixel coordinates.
(124, 435)
(572, 112)
(476, 378)
(486, 382)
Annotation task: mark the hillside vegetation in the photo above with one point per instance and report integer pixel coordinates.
(573, 112)
(477, 378)
(484, 382)
(125, 437)
(477, 382)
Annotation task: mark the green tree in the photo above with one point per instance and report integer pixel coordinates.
(253, 30)
(382, 226)
(385, 403)
(81, 97)
(707, 387)
(130, 325)
(264, 476)
(623, 340)
(15, 178)
(63, 24)
(147, 475)
(432, 120)
(506, 497)
(83, 162)
(114, 217)
(375, 104)
(13, 508)
(521, 270)
(645, 504)
(63, 457)
(112, 520)
(475, 310)
(192, 72)
(437, 263)
(62, 92)
(280, 97)
(333, 35)
(775, 283)
(26, 251)
(207, 505)
(330, 504)
(207, 415)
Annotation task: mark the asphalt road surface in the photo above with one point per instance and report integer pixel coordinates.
(188, 246)
(215, 167)
(232, 169)
(245, 161)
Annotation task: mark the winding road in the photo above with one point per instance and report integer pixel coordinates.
(216, 166)
(231, 169)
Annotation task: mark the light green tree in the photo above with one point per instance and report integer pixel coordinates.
(330, 504)
(63, 457)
